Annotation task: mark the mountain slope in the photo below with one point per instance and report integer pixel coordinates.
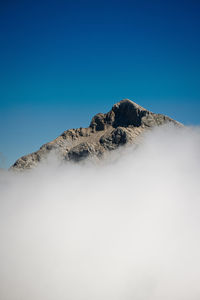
(121, 125)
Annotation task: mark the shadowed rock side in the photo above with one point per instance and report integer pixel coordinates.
(121, 125)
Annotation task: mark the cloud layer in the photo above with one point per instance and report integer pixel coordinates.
(128, 228)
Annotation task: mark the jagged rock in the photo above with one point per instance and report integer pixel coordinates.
(81, 152)
(121, 125)
(116, 137)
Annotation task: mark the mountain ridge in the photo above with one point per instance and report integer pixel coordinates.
(107, 131)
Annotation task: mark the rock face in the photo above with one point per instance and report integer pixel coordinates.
(121, 125)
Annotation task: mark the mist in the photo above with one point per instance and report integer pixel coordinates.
(124, 228)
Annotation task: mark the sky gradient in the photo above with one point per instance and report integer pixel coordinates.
(61, 62)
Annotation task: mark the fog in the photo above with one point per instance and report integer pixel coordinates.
(124, 228)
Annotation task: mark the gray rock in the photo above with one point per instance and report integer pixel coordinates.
(121, 125)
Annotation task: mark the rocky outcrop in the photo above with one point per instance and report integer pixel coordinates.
(121, 125)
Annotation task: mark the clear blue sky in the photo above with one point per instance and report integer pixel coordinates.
(62, 61)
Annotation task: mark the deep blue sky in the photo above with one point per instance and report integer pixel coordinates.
(63, 61)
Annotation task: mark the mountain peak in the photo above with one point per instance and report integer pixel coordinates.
(107, 131)
(124, 113)
(128, 103)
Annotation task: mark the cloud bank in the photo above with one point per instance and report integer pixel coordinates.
(128, 228)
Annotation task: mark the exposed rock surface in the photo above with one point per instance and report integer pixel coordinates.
(121, 125)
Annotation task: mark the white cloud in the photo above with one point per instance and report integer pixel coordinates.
(126, 229)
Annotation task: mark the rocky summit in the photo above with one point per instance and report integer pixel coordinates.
(123, 124)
